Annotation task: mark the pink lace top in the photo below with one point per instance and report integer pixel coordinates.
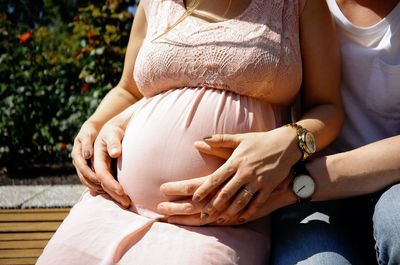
(256, 54)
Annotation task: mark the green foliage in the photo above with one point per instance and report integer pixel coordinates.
(53, 76)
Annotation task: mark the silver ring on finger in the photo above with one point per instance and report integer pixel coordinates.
(246, 191)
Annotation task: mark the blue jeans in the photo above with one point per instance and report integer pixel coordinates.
(358, 231)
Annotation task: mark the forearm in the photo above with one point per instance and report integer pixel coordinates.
(324, 122)
(116, 101)
(321, 107)
(360, 171)
(122, 119)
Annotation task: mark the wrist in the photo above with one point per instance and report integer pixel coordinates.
(293, 148)
(303, 184)
(93, 123)
(290, 197)
(321, 171)
(305, 139)
(283, 193)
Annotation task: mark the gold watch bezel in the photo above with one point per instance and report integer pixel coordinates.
(302, 139)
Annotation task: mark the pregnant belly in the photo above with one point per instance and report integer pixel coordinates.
(158, 143)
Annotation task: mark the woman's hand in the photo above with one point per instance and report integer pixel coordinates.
(242, 186)
(187, 212)
(107, 148)
(82, 154)
(259, 163)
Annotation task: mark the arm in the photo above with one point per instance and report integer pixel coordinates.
(119, 98)
(364, 170)
(126, 92)
(321, 98)
(360, 171)
(261, 161)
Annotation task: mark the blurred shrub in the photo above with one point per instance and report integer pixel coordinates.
(53, 76)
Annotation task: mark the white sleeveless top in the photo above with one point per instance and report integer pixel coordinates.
(370, 79)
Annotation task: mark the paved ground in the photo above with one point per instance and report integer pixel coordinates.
(44, 191)
(39, 196)
(41, 179)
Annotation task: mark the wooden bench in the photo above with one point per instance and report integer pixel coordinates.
(25, 232)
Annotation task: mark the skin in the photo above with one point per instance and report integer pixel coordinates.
(365, 13)
(363, 170)
(258, 161)
(212, 11)
(118, 99)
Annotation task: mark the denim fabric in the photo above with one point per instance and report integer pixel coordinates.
(387, 227)
(339, 232)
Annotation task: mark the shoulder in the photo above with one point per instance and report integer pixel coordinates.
(149, 6)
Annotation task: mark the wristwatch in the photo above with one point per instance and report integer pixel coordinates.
(303, 184)
(307, 143)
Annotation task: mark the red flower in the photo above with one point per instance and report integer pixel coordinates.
(25, 37)
(63, 146)
(90, 34)
(85, 87)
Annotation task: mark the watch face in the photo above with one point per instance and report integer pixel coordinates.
(310, 143)
(303, 186)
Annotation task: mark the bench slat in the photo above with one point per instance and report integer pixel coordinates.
(23, 244)
(20, 253)
(29, 226)
(35, 210)
(32, 216)
(26, 236)
(18, 261)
